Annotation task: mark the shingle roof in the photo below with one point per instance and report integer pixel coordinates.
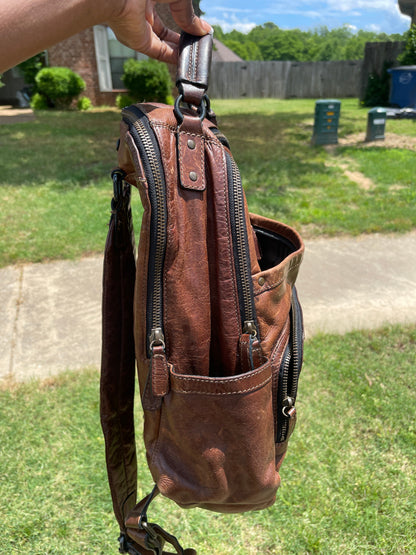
(222, 53)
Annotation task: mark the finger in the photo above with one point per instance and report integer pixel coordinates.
(163, 32)
(159, 49)
(184, 15)
(150, 11)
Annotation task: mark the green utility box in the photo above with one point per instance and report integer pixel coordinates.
(376, 124)
(325, 129)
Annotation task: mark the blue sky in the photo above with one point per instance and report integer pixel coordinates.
(374, 15)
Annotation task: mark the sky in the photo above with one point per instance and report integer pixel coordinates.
(243, 15)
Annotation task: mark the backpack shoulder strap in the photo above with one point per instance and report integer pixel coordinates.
(138, 536)
(117, 357)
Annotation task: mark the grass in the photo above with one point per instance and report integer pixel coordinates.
(55, 189)
(348, 479)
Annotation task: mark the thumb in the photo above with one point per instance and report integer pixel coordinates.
(184, 15)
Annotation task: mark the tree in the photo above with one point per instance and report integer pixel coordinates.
(273, 43)
(408, 56)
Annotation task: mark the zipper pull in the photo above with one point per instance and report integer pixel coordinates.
(156, 339)
(250, 328)
(288, 408)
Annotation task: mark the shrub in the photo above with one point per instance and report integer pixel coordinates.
(38, 102)
(59, 86)
(147, 80)
(378, 88)
(123, 100)
(84, 103)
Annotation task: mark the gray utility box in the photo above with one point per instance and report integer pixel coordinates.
(325, 129)
(376, 124)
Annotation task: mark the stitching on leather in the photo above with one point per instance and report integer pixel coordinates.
(198, 392)
(191, 53)
(207, 138)
(226, 381)
(195, 74)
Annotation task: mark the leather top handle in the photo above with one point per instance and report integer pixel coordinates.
(193, 67)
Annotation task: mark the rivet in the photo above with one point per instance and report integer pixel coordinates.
(191, 144)
(262, 281)
(193, 176)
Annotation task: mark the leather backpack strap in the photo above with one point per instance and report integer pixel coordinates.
(193, 67)
(118, 358)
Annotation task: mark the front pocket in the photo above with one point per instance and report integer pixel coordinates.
(230, 465)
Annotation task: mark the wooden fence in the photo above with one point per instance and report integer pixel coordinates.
(285, 79)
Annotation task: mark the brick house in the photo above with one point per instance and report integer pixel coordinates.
(98, 57)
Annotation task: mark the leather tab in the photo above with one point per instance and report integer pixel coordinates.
(193, 67)
(245, 353)
(251, 354)
(191, 154)
(159, 372)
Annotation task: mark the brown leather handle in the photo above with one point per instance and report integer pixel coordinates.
(193, 67)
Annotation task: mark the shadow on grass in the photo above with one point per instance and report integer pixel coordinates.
(68, 147)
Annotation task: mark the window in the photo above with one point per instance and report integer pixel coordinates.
(111, 55)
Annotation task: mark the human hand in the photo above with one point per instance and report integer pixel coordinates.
(139, 27)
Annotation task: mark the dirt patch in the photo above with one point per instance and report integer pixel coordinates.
(348, 169)
(362, 181)
(392, 140)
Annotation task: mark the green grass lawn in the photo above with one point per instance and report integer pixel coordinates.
(55, 188)
(348, 482)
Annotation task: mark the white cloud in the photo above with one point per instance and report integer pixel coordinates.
(228, 26)
(370, 5)
(230, 20)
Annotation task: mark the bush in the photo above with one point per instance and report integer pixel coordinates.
(123, 100)
(84, 103)
(38, 102)
(378, 88)
(59, 86)
(147, 80)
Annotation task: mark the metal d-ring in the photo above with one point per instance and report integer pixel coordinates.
(201, 110)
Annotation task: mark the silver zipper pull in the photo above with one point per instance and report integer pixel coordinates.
(156, 338)
(250, 327)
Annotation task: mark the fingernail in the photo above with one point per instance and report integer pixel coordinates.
(207, 27)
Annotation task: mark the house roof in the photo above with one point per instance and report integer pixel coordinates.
(408, 7)
(222, 53)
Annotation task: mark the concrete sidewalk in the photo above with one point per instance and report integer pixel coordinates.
(50, 314)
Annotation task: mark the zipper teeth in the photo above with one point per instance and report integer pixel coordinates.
(285, 378)
(156, 319)
(292, 361)
(244, 269)
(295, 344)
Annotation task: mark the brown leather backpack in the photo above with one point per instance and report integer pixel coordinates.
(209, 313)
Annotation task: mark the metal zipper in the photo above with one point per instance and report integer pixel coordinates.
(241, 248)
(290, 370)
(148, 148)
